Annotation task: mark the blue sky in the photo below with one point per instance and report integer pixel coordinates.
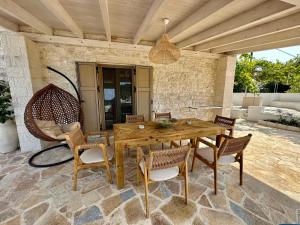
(274, 54)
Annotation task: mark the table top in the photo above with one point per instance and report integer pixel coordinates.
(180, 129)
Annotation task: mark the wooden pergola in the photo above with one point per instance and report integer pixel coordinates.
(216, 26)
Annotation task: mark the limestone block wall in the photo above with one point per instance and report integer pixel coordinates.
(189, 82)
(16, 68)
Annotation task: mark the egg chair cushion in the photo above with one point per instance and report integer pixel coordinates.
(69, 127)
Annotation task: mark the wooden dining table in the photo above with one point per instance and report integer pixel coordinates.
(129, 134)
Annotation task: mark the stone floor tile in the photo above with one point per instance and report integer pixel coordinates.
(254, 208)
(204, 201)
(105, 191)
(7, 214)
(90, 186)
(15, 221)
(247, 217)
(3, 205)
(153, 202)
(173, 186)
(179, 212)
(90, 198)
(195, 191)
(87, 215)
(33, 200)
(198, 221)
(162, 191)
(134, 211)
(54, 219)
(234, 193)
(157, 218)
(219, 201)
(32, 215)
(214, 217)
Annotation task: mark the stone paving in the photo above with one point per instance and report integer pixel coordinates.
(45, 197)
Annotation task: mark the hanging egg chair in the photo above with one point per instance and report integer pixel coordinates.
(49, 114)
(51, 104)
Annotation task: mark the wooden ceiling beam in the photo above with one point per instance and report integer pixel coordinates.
(268, 39)
(8, 25)
(293, 2)
(279, 25)
(206, 10)
(280, 44)
(151, 14)
(105, 17)
(14, 10)
(264, 12)
(55, 7)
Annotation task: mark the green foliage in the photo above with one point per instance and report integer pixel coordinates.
(6, 112)
(253, 75)
(287, 119)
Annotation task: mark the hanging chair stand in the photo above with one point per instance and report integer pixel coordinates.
(31, 160)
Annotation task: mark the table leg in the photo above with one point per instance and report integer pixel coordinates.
(119, 165)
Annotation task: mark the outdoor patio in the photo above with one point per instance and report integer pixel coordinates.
(45, 196)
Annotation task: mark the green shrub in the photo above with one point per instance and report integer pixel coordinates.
(6, 111)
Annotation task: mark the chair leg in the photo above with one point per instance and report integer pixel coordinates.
(186, 182)
(241, 170)
(194, 156)
(215, 178)
(146, 198)
(75, 176)
(138, 175)
(109, 177)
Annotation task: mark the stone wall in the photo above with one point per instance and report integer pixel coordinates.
(17, 70)
(189, 82)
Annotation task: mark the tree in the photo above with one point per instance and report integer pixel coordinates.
(244, 74)
(255, 75)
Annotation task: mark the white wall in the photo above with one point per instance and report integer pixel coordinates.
(268, 98)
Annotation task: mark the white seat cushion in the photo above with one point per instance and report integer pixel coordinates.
(208, 154)
(212, 138)
(94, 155)
(161, 174)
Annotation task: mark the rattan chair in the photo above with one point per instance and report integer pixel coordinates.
(87, 155)
(162, 116)
(134, 119)
(231, 151)
(165, 115)
(161, 165)
(226, 122)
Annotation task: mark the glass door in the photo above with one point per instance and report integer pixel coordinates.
(125, 93)
(109, 91)
(118, 95)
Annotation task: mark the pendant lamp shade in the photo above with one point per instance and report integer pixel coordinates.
(164, 52)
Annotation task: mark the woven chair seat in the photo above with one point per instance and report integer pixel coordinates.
(94, 155)
(208, 154)
(161, 174)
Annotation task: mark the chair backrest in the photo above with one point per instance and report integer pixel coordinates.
(135, 118)
(166, 115)
(75, 138)
(161, 159)
(234, 145)
(224, 121)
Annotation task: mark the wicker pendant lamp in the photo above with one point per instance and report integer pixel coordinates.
(164, 52)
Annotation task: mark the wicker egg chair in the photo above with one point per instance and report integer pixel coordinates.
(52, 104)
